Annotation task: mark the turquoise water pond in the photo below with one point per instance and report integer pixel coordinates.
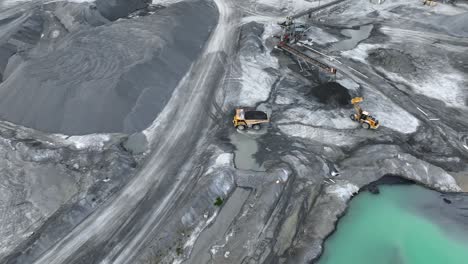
(404, 224)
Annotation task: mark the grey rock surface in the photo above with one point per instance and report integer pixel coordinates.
(117, 77)
(115, 9)
(456, 25)
(49, 183)
(149, 197)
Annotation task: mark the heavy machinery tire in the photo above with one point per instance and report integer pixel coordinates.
(256, 127)
(241, 127)
(353, 117)
(365, 125)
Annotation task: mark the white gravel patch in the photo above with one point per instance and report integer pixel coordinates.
(282, 100)
(256, 83)
(361, 52)
(165, 2)
(337, 119)
(448, 87)
(324, 136)
(222, 160)
(290, 5)
(388, 113)
(343, 191)
(92, 141)
(317, 35)
(349, 84)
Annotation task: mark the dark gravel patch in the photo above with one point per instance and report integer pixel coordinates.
(392, 60)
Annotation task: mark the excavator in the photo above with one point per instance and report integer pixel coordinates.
(364, 118)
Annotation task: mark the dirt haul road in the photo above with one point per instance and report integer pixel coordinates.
(117, 231)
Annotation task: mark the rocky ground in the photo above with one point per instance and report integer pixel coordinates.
(186, 187)
(107, 58)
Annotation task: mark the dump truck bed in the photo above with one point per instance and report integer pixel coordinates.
(255, 115)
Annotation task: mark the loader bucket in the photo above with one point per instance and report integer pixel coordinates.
(356, 100)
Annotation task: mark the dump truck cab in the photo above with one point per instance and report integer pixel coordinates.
(249, 118)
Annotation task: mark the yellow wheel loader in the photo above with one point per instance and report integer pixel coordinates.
(364, 118)
(430, 2)
(249, 118)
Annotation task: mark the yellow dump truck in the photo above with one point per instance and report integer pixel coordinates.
(249, 118)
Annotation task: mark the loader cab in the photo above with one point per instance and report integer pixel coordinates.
(364, 115)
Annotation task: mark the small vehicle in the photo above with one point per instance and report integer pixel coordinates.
(249, 118)
(367, 121)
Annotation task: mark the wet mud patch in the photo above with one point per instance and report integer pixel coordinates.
(331, 93)
(392, 60)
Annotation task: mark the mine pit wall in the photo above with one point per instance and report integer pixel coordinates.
(51, 184)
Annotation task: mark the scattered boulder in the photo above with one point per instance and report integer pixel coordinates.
(136, 143)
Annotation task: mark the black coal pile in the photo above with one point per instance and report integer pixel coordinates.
(331, 93)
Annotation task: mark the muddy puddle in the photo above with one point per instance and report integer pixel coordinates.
(354, 37)
(246, 147)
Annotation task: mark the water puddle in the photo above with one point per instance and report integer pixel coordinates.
(246, 147)
(355, 36)
(391, 228)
